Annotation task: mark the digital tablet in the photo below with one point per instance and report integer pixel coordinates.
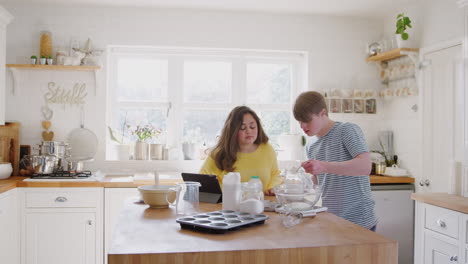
(210, 191)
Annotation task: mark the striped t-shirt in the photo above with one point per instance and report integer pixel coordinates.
(348, 197)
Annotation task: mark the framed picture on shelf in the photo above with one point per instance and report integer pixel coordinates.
(347, 105)
(371, 106)
(359, 106)
(335, 105)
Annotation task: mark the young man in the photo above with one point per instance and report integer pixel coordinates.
(339, 159)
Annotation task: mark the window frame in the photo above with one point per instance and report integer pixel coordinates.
(175, 105)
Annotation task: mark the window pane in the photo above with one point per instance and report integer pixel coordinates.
(207, 82)
(275, 123)
(268, 83)
(141, 80)
(141, 117)
(203, 126)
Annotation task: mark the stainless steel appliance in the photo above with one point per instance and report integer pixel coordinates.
(395, 212)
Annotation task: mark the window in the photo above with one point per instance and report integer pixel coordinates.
(188, 93)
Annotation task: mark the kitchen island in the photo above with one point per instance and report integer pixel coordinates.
(145, 235)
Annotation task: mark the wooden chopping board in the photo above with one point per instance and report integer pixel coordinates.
(10, 144)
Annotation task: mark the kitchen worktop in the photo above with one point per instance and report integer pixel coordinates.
(145, 235)
(128, 182)
(445, 200)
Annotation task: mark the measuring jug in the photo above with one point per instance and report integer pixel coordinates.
(186, 201)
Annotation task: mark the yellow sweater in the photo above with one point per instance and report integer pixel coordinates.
(262, 163)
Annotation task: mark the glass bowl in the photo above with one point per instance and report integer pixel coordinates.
(293, 198)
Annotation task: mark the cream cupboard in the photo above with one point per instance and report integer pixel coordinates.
(440, 235)
(61, 225)
(5, 19)
(9, 228)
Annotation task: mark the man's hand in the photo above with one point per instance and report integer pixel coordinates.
(314, 166)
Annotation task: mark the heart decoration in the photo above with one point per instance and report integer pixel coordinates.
(47, 113)
(47, 136)
(46, 124)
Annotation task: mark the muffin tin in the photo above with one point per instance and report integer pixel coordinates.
(220, 221)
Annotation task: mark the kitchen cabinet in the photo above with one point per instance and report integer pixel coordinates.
(9, 228)
(440, 235)
(61, 225)
(5, 19)
(114, 202)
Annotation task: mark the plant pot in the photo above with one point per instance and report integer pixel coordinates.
(141, 150)
(42, 61)
(122, 152)
(50, 61)
(156, 151)
(409, 43)
(33, 61)
(189, 151)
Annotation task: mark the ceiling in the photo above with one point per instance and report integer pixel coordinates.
(365, 8)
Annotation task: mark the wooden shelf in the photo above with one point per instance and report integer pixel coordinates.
(389, 55)
(53, 67)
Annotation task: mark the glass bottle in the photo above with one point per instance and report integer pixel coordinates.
(46, 44)
(251, 200)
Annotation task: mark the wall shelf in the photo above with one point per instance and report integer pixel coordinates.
(391, 54)
(53, 67)
(14, 68)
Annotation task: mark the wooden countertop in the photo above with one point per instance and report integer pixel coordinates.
(145, 235)
(445, 200)
(127, 182)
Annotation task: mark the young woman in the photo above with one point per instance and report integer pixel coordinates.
(340, 160)
(243, 147)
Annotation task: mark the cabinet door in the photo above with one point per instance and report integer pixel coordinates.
(114, 200)
(57, 237)
(438, 250)
(9, 228)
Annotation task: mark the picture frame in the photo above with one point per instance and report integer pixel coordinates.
(347, 105)
(335, 105)
(359, 106)
(371, 106)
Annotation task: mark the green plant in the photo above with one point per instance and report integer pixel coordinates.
(145, 132)
(50, 57)
(43, 56)
(403, 22)
(33, 57)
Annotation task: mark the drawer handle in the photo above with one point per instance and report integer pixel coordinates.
(441, 223)
(60, 199)
(454, 258)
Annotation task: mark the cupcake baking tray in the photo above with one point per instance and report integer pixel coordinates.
(220, 221)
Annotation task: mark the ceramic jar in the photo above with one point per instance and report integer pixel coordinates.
(5, 170)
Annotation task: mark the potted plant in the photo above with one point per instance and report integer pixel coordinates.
(143, 134)
(42, 60)
(33, 59)
(402, 24)
(50, 61)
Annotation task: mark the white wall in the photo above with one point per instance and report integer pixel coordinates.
(434, 22)
(336, 47)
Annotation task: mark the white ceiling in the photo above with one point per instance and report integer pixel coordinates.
(366, 8)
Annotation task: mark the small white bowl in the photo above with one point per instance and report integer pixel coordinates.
(5, 170)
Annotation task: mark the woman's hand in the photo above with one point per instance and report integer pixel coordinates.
(269, 192)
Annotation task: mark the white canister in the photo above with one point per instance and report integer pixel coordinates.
(5, 170)
(231, 191)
